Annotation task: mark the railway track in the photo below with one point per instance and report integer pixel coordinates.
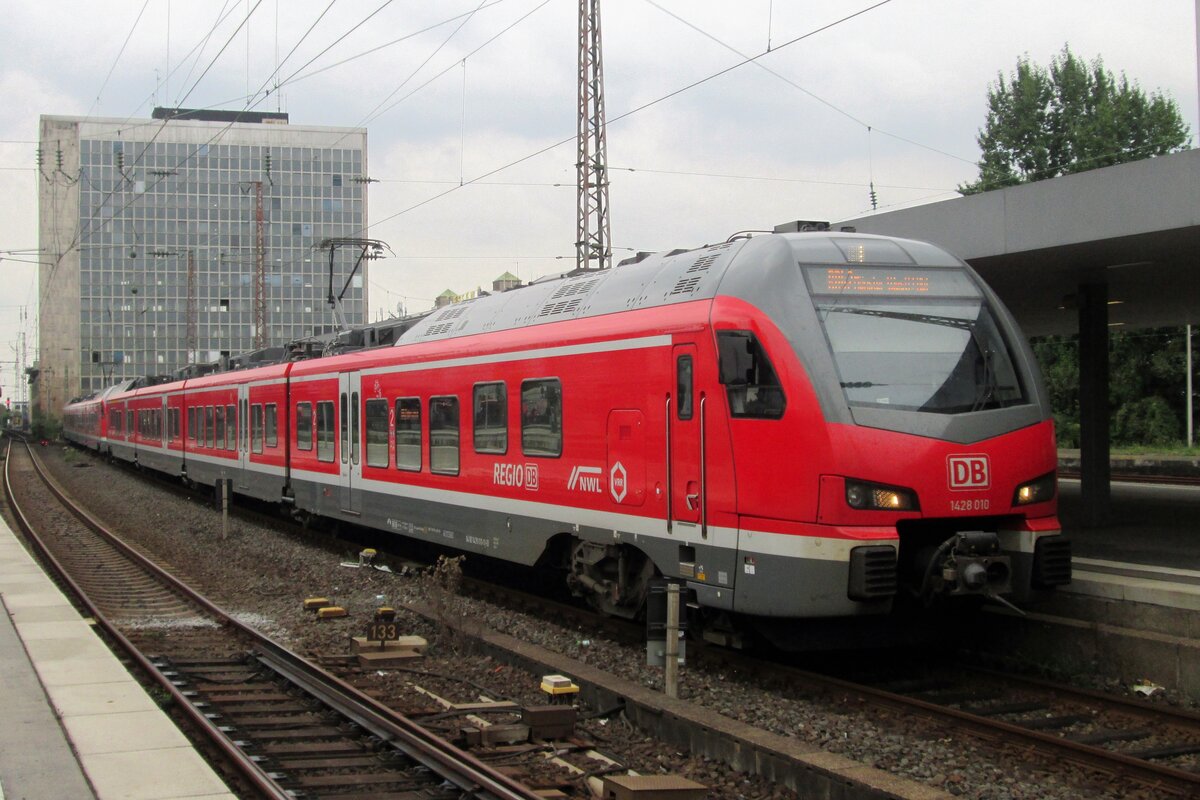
(1135, 477)
(1112, 739)
(284, 726)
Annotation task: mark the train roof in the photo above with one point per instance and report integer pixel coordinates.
(653, 281)
(645, 281)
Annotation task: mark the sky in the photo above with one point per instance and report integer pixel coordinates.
(470, 111)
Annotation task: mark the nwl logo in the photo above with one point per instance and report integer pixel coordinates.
(969, 472)
(585, 479)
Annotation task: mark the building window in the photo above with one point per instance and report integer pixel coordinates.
(541, 417)
(408, 433)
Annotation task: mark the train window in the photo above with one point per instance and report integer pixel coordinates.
(325, 451)
(219, 416)
(231, 427)
(272, 435)
(304, 426)
(114, 420)
(750, 381)
(191, 424)
(408, 433)
(541, 417)
(173, 423)
(443, 435)
(209, 428)
(355, 428)
(344, 429)
(129, 421)
(490, 418)
(683, 387)
(200, 426)
(377, 432)
(256, 428)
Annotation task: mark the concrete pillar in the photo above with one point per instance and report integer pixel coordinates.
(1093, 404)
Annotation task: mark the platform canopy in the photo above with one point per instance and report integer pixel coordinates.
(1133, 227)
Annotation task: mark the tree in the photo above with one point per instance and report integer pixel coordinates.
(1069, 118)
(1146, 391)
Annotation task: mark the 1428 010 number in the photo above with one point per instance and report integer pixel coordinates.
(979, 504)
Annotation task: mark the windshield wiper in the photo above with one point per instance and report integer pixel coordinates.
(987, 386)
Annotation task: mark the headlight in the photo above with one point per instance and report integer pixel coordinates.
(1038, 490)
(874, 497)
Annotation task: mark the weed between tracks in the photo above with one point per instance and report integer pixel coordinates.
(441, 588)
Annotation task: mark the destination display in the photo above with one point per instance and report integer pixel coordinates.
(893, 281)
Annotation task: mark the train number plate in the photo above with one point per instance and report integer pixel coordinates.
(383, 632)
(981, 504)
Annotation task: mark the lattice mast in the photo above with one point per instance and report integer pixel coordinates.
(593, 246)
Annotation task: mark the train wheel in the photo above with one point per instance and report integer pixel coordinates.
(613, 578)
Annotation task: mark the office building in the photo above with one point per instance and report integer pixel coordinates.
(183, 238)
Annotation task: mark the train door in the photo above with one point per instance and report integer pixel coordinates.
(349, 435)
(685, 500)
(242, 422)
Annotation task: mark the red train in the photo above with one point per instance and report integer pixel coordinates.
(805, 425)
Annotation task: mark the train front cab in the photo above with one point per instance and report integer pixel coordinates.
(908, 450)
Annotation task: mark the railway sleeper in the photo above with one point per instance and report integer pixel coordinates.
(1104, 737)
(1052, 723)
(1166, 751)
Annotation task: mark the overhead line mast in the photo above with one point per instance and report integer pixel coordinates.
(593, 246)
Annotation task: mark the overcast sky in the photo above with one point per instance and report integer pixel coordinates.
(459, 89)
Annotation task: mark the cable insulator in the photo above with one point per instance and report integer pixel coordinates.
(874, 197)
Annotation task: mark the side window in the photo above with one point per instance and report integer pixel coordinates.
(541, 417)
(408, 433)
(490, 418)
(231, 427)
(129, 420)
(272, 435)
(377, 432)
(200, 426)
(443, 435)
(256, 428)
(750, 381)
(304, 426)
(683, 387)
(208, 426)
(191, 423)
(219, 418)
(325, 449)
(355, 428)
(344, 420)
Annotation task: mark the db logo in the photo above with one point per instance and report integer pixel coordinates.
(969, 472)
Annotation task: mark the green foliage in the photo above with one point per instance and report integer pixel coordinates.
(1072, 117)
(1147, 385)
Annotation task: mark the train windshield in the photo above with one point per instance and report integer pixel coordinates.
(914, 339)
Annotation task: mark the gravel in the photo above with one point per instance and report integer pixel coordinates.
(263, 576)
